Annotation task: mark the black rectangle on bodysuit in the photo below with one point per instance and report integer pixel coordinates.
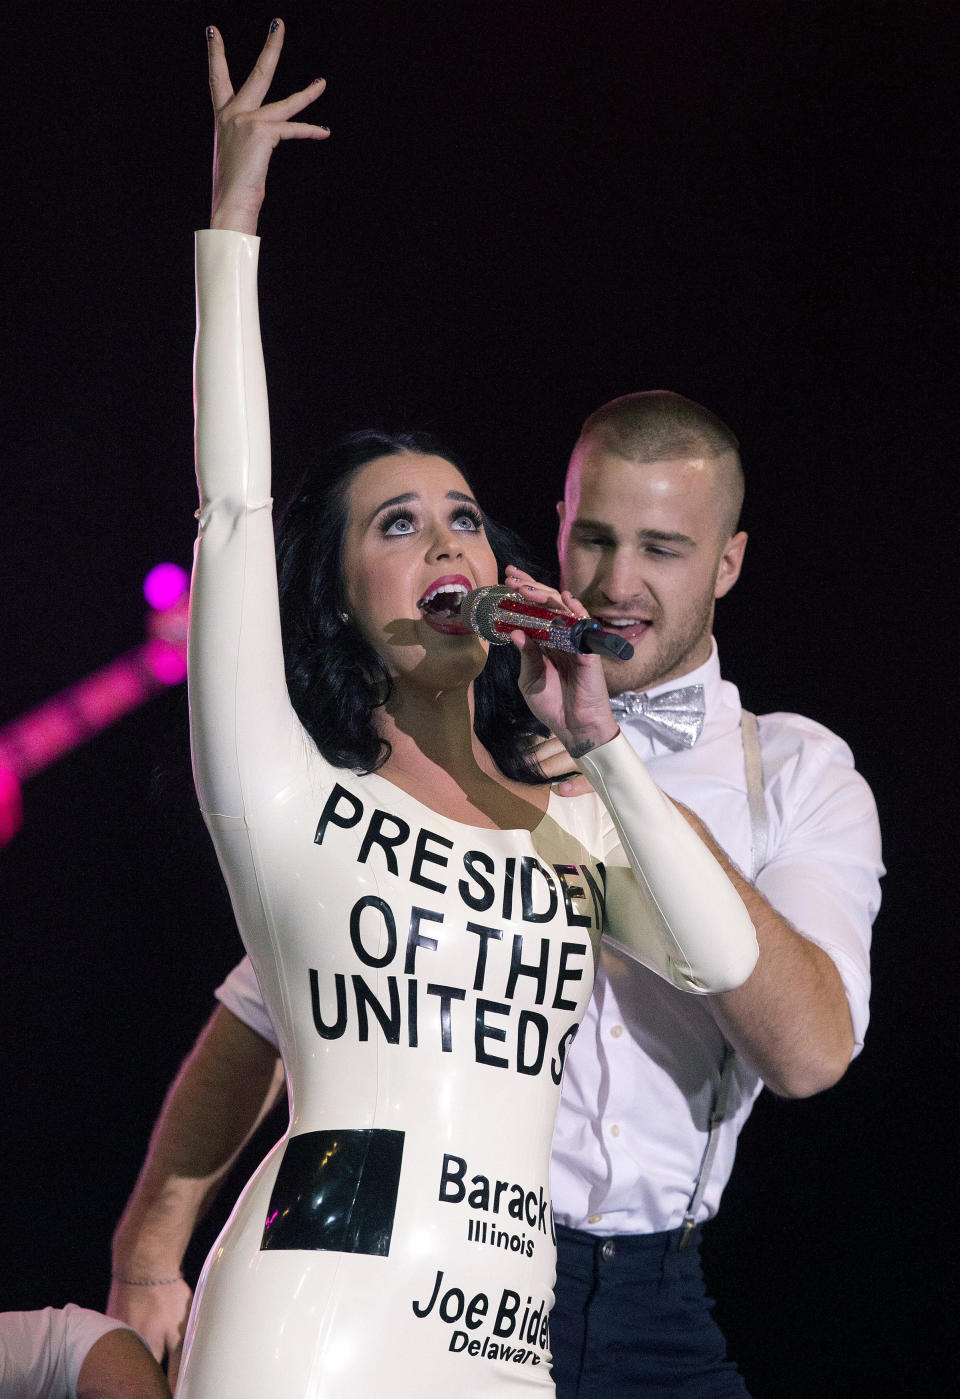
(336, 1191)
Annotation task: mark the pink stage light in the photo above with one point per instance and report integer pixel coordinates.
(166, 661)
(63, 722)
(165, 585)
(11, 806)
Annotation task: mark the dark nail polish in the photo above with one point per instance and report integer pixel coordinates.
(274, 26)
(211, 32)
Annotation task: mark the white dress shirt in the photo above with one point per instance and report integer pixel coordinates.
(641, 1079)
(41, 1353)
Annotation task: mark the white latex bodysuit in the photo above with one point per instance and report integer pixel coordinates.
(425, 979)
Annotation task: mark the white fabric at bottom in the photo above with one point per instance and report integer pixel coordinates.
(42, 1352)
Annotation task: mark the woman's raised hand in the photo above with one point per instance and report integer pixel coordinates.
(567, 693)
(247, 132)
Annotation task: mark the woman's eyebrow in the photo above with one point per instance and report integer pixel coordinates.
(415, 495)
(394, 500)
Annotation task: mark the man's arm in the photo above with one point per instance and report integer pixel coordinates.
(228, 1083)
(790, 1019)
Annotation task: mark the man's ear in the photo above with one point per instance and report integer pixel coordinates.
(562, 518)
(731, 562)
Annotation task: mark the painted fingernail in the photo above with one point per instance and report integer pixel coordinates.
(211, 32)
(315, 81)
(274, 26)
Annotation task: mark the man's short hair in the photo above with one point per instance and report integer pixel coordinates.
(659, 425)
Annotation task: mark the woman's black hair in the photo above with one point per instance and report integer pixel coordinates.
(335, 677)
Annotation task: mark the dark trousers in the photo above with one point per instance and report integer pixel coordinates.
(632, 1321)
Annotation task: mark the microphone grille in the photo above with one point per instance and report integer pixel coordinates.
(478, 611)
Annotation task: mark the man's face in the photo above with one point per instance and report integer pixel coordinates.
(644, 546)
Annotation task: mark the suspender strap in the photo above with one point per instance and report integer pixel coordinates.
(759, 828)
(710, 1150)
(753, 765)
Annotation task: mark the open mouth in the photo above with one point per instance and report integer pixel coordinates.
(440, 605)
(630, 628)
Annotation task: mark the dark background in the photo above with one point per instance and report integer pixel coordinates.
(524, 210)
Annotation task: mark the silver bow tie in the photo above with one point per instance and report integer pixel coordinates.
(673, 715)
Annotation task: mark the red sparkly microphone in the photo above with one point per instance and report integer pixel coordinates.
(495, 611)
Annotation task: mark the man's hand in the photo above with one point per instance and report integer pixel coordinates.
(556, 764)
(247, 133)
(158, 1313)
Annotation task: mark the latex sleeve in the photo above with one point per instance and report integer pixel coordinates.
(246, 739)
(661, 878)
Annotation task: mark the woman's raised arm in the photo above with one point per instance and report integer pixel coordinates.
(245, 737)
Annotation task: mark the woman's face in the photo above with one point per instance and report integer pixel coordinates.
(414, 546)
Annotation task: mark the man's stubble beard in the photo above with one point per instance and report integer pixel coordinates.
(670, 656)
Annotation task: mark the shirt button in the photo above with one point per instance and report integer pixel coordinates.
(608, 1251)
(614, 1130)
(616, 1031)
(595, 1219)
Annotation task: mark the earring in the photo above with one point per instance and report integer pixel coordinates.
(345, 617)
